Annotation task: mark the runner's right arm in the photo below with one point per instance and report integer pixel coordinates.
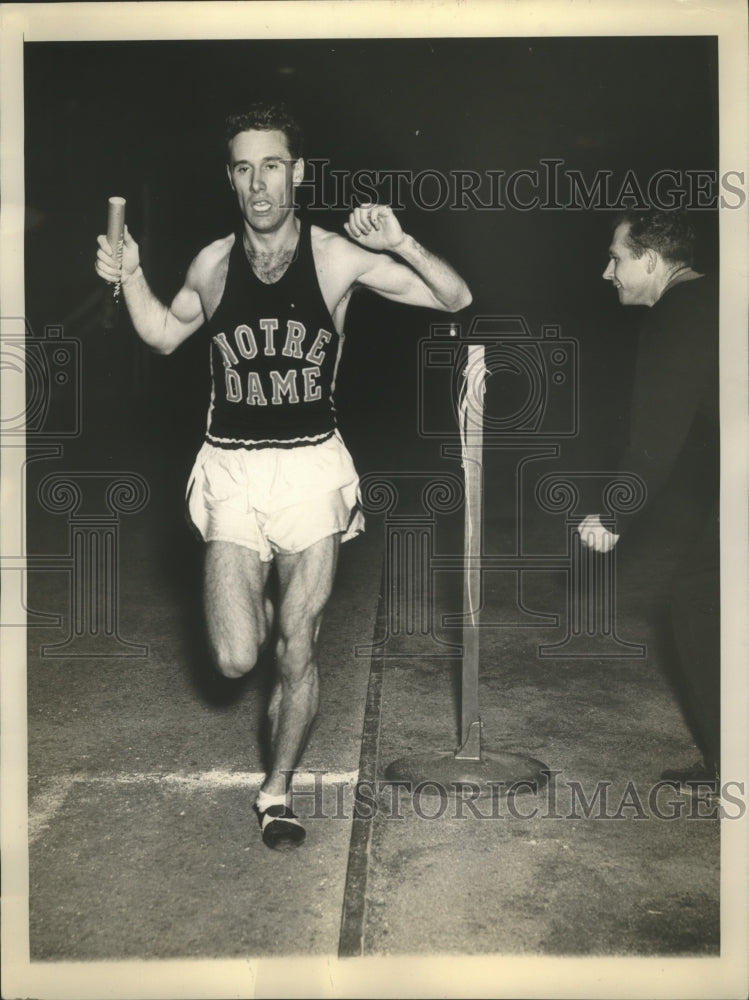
(162, 327)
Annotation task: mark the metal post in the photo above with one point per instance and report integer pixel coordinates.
(470, 770)
(473, 441)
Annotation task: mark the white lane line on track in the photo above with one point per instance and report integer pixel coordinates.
(220, 779)
(47, 803)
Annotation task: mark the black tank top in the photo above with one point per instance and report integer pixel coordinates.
(274, 356)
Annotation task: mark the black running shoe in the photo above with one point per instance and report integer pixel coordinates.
(280, 828)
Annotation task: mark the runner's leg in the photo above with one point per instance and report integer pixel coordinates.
(305, 584)
(238, 614)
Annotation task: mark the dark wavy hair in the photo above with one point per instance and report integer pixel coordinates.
(669, 233)
(267, 116)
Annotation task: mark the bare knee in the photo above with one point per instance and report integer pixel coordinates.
(235, 663)
(296, 660)
(235, 607)
(296, 652)
(237, 652)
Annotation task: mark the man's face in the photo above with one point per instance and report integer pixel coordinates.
(263, 176)
(631, 275)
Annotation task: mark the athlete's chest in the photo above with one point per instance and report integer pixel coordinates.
(275, 279)
(270, 269)
(285, 284)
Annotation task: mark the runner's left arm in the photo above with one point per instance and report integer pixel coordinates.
(400, 268)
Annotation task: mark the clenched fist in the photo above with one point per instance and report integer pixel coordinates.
(375, 227)
(115, 270)
(595, 536)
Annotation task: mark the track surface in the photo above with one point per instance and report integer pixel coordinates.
(143, 769)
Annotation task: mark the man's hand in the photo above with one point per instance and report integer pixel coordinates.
(595, 536)
(408, 273)
(107, 265)
(375, 227)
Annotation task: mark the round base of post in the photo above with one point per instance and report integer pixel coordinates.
(495, 773)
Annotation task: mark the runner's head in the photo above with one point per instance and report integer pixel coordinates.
(266, 116)
(264, 164)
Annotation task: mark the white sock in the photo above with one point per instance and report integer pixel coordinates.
(264, 800)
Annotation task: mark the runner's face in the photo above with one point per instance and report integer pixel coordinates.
(263, 176)
(628, 273)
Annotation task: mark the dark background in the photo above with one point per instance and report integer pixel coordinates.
(144, 120)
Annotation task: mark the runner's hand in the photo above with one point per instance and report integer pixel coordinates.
(374, 227)
(107, 265)
(595, 536)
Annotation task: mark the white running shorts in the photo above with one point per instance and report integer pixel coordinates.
(275, 499)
